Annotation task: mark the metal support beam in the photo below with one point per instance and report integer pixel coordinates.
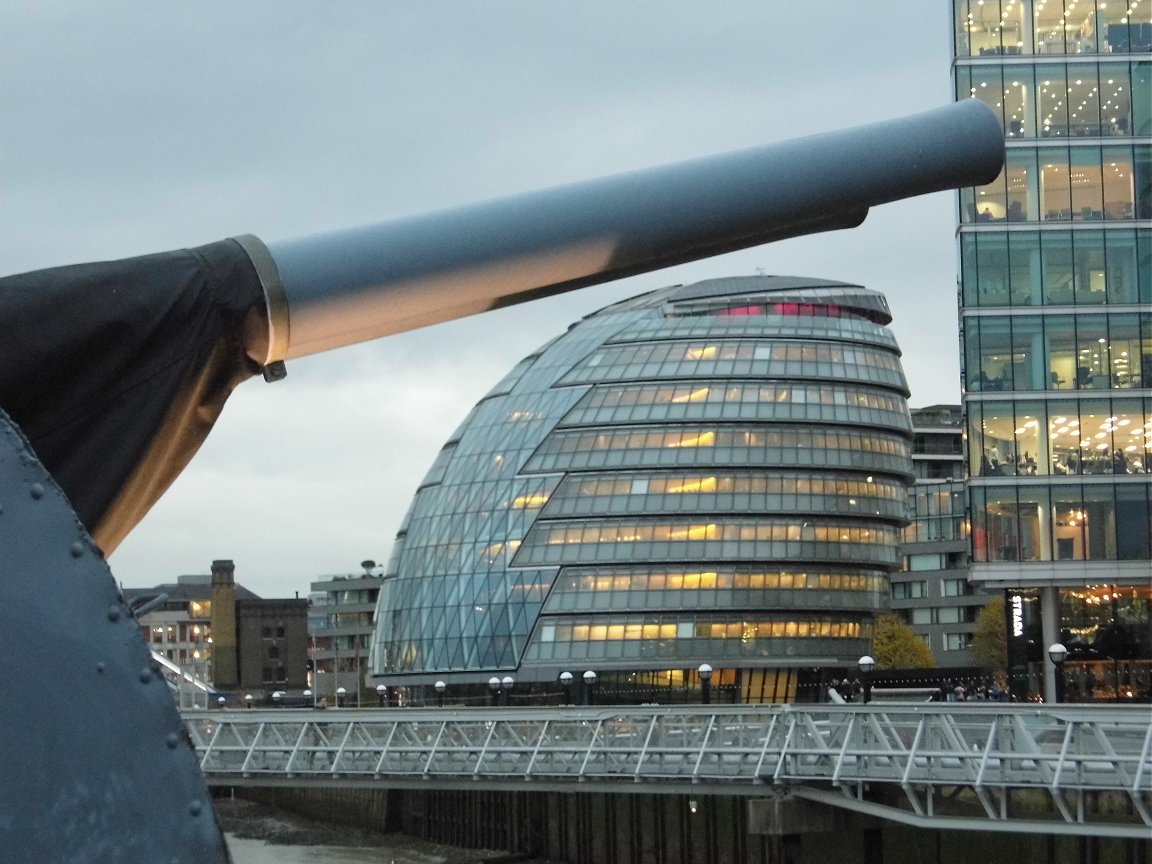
(957, 764)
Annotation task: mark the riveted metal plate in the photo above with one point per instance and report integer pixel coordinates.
(87, 770)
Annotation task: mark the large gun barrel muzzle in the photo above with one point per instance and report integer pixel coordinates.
(344, 287)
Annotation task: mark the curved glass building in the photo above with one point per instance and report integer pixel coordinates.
(708, 473)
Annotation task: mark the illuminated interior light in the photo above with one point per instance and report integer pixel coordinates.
(704, 439)
(526, 502)
(703, 484)
(695, 396)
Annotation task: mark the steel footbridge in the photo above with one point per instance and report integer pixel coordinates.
(978, 765)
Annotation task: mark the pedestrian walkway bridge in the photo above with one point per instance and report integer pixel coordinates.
(976, 765)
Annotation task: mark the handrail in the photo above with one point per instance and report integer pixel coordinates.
(1064, 753)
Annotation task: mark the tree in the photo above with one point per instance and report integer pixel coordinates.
(896, 646)
(990, 641)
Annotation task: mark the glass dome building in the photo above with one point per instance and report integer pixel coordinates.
(713, 473)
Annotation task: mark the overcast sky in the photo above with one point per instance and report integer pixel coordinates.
(136, 127)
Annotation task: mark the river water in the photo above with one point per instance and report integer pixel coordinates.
(245, 851)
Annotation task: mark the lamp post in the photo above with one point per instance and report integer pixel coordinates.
(566, 685)
(494, 686)
(307, 694)
(340, 691)
(381, 694)
(277, 695)
(440, 688)
(589, 686)
(508, 682)
(866, 665)
(1057, 653)
(220, 700)
(248, 699)
(705, 673)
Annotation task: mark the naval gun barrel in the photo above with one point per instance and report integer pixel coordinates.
(343, 287)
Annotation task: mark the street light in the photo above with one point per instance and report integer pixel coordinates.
(589, 684)
(307, 694)
(340, 691)
(494, 686)
(1057, 653)
(220, 701)
(248, 699)
(566, 683)
(866, 664)
(381, 694)
(440, 688)
(705, 673)
(507, 683)
(276, 696)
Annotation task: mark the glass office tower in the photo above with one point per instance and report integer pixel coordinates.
(713, 473)
(1056, 324)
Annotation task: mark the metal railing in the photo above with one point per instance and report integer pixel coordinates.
(987, 766)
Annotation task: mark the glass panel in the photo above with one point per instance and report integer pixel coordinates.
(1058, 266)
(1124, 349)
(972, 278)
(962, 25)
(990, 27)
(985, 83)
(1133, 524)
(1049, 25)
(992, 439)
(1126, 28)
(1029, 442)
(1087, 183)
(1064, 439)
(1052, 105)
(988, 344)
(1117, 178)
(1091, 275)
(1083, 102)
(1069, 525)
(991, 257)
(1093, 362)
(1022, 203)
(1121, 276)
(1140, 97)
(1142, 180)
(1099, 509)
(1055, 191)
(991, 203)
(1018, 111)
(1144, 275)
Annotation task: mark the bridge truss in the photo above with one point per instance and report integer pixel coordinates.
(978, 765)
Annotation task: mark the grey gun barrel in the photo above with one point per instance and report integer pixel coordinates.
(344, 287)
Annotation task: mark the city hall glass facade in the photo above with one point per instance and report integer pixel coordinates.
(708, 473)
(1056, 299)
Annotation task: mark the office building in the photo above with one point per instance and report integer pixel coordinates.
(340, 633)
(1056, 319)
(707, 474)
(932, 592)
(221, 632)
